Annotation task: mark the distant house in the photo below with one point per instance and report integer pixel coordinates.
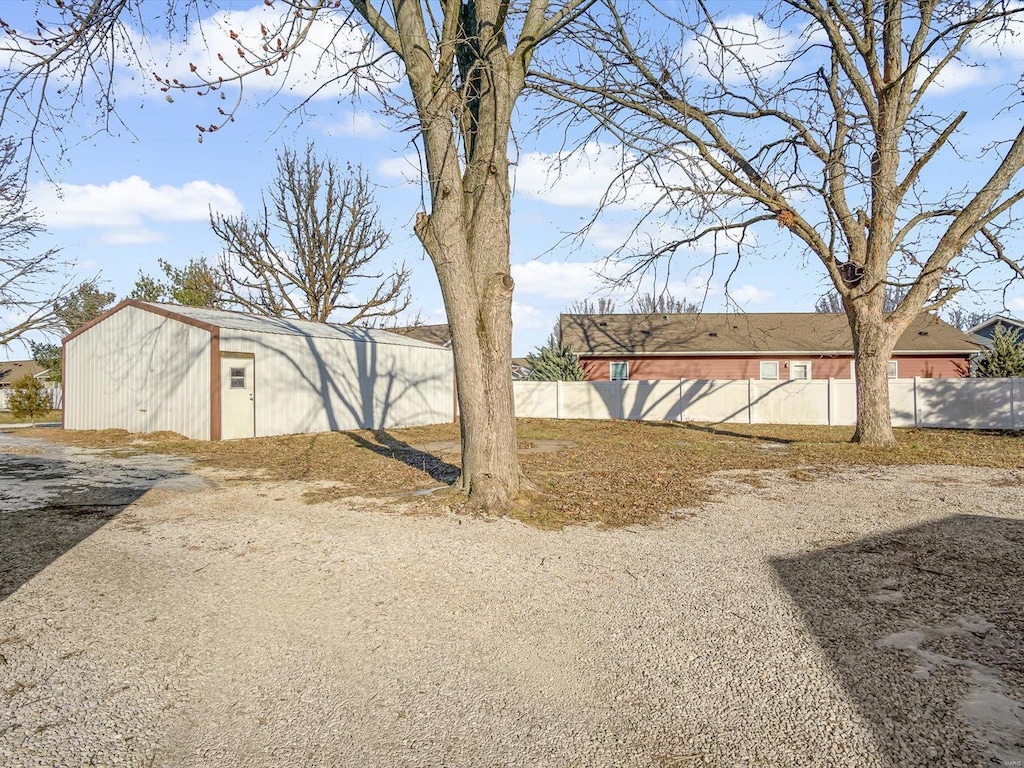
(432, 334)
(522, 370)
(986, 331)
(770, 346)
(442, 336)
(12, 370)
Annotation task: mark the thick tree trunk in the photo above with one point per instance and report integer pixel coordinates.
(478, 300)
(872, 345)
(490, 464)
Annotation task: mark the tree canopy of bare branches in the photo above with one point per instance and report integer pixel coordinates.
(464, 67)
(29, 281)
(316, 242)
(832, 302)
(816, 117)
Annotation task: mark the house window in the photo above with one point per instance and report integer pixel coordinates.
(800, 370)
(238, 378)
(770, 369)
(619, 371)
(892, 371)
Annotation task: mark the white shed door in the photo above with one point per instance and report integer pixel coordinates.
(237, 396)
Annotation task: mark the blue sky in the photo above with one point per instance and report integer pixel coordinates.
(124, 200)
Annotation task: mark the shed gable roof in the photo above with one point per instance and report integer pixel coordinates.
(239, 321)
(738, 333)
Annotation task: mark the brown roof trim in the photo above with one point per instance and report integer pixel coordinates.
(146, 307)
(215, 401)
(63, 387)
(776, 353)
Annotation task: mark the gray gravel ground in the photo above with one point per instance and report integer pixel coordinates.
(869, 618)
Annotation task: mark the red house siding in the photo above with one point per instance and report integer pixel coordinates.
(701, 367)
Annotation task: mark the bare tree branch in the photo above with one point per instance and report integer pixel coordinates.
(312, 246)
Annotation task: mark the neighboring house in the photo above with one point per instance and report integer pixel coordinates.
(442, 335)
(986, 331)
(432, 334)
(770, 346)
(211, 374)
(521, 369)
(12, 370)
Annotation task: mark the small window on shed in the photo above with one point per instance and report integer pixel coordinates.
(619, 371)
(893, 370)
(238, 378)
(770, 369)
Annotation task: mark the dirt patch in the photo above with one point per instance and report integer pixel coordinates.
(324, 494)
(523, 447)
(606, 472)
(19, 450)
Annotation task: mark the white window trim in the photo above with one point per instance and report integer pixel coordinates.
(810, 372)
(895, 367)
(611, 370)
(892, 361)
(761, 370)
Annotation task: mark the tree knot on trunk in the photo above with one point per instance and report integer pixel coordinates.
(500, 283)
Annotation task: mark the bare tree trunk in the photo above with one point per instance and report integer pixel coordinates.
(472, 268)
(490, 470)
(873, 345)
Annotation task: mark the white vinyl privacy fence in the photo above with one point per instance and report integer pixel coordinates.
(950, 403)
(56, 399)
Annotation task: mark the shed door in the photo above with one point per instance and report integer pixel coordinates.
(237, 396)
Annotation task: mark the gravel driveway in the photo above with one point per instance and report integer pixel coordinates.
(868, 618)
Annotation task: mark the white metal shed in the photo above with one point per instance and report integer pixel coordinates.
(211, 374)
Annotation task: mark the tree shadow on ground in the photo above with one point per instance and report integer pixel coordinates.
(722, 432)
(925, 628)
(391, 447)
(48, 504)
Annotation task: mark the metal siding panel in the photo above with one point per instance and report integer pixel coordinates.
(141, 372)
(315, 384)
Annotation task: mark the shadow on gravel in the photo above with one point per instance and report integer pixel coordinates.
(925, 628)
(49, 503)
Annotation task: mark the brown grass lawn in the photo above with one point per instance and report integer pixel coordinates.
(6, 417)
(614, 473)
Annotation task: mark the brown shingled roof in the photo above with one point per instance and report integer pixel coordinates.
(738, 333)
(433, 334)
(12, 370)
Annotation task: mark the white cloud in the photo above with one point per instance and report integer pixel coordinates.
(741, 44)
(405, 168)
(1004, 37)
(529, 318)
(750, 294)
(955, 76)
(362, 125)
(598, 173)
(320, 67)
(1016, 303)
(609, 175)
(561, 280)
(125, 206)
